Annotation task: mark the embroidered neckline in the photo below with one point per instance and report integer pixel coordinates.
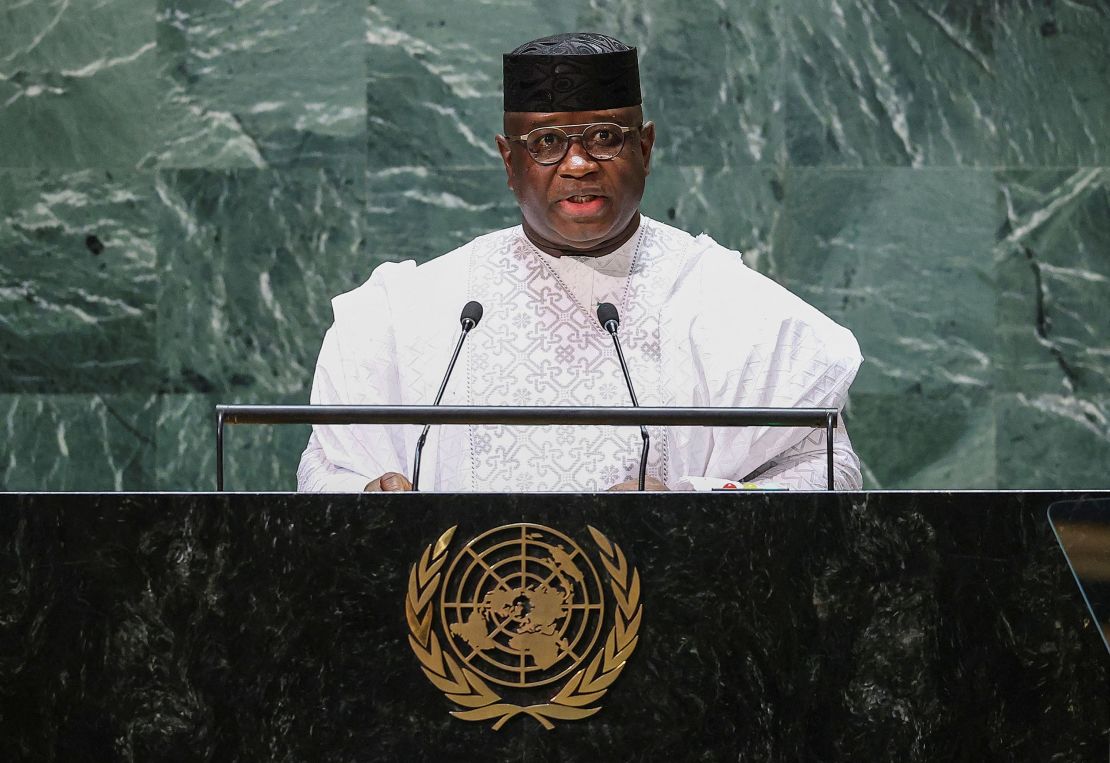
(591, 318)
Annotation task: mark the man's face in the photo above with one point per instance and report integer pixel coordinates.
(550, 196)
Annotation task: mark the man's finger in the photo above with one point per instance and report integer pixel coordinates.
(390, 482)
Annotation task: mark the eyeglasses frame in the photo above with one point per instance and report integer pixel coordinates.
(624, 140)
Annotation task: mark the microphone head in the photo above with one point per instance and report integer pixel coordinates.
(606, 313)
(472, 311)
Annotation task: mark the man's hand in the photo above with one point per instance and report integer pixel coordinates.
(390, 482)
(651, 483)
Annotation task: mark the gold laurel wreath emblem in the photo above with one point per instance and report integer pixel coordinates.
(463, 686)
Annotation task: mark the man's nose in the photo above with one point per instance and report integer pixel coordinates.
(577, 163)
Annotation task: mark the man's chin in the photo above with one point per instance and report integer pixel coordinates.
(584, 236)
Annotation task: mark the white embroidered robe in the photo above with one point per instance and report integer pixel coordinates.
(698, 328)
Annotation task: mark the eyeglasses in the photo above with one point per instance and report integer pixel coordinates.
(548, 145)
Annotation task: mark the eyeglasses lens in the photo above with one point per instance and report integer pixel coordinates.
(548, 145)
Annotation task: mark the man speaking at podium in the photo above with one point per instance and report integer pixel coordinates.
(698, 327)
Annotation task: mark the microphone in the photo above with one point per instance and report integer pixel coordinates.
(471, 314)
(609, 320)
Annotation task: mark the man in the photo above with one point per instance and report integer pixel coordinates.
(698, 327)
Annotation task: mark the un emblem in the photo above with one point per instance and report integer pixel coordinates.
(522, 607)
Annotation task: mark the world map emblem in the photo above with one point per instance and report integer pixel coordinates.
(520, 609)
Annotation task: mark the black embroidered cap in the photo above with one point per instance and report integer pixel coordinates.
(571, 72)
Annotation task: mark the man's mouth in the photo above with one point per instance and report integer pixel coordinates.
(584, 204)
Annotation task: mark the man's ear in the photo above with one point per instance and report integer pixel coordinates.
(647, 141)
(506, 150)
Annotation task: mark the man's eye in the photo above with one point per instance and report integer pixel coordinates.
(548, 139)
(604, 135)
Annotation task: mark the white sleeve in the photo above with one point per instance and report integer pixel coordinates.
(749, 343)
(316, 474)
(804, 466)
(357, 366)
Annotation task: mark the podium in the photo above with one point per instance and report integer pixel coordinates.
(798, 626)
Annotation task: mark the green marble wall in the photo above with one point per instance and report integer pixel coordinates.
(184, 184)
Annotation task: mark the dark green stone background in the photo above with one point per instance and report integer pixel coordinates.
(184, 185)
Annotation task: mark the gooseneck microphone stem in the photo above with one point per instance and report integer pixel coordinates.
(471, 314)
(607, 316)
(439, 396)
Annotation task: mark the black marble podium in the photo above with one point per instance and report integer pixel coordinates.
(880, 626)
